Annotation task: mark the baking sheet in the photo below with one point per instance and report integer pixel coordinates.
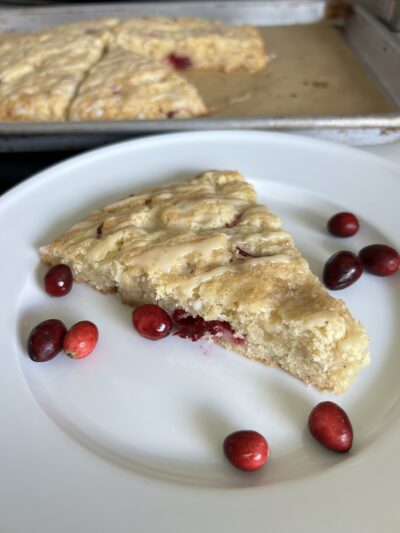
(339, 84)
(311, 72)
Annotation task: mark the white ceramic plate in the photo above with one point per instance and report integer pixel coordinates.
(130, 438)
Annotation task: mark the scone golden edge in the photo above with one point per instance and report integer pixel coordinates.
(206, 246)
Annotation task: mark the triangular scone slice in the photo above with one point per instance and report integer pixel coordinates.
(124, 85)
(20, 54)
(200, 43)
(41, 71)
(45, 93)
(207, 247)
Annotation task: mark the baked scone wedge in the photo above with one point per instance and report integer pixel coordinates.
(194, 42)
(42, 71)
(45, 93)
(207, 247)
(20, 54)
(124, 85)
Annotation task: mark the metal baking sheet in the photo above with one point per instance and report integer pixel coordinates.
(305, 105)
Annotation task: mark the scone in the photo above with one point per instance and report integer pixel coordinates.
(21, 54)
(41, 72)
(125, 85)
(193, 42)
(45, 93)
(207, 247)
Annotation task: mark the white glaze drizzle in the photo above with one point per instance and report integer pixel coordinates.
(188, 286)
(164, 258)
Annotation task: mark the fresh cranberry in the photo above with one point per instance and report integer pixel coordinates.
(81, 339)
(58, 280)
(380, 259)
(246, 450)
(46, 340)
(179, 62)
(331, 427)
(151, 322)
(343, 225)
(341, 270)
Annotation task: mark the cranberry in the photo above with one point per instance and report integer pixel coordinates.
(380, 259)
(58, 280)
(151, 322)
(182, 317)
(81, 339)
(341, 270)
(222, 330)
(194, 328)
(46, 340)
(243, 253)
(343, 225)
(246, 449)
(235, 221)
(179, 62)
(331, 427)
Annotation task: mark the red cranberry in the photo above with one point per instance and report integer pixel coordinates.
(341, 270)
(246, 449)
(235, 221)
(179, 62)
(380, 259)
(343, 225)
(243, 253)
(46, 340)
(222, 330)
(194, 328)
(58, 280)
(81, 339)
(331, 427)
(183, 318)
(151, 322)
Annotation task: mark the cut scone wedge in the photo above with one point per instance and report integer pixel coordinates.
(41, 72)
(193, 42)
(207, 247)
(20, 54)
(124, 85)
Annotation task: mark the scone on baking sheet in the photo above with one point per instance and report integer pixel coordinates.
(207, 246)
(46, 93)
(21, 54)
(125, 85)
(41, 73)
(200, 43)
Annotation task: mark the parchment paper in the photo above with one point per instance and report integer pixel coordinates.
(312, 72)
